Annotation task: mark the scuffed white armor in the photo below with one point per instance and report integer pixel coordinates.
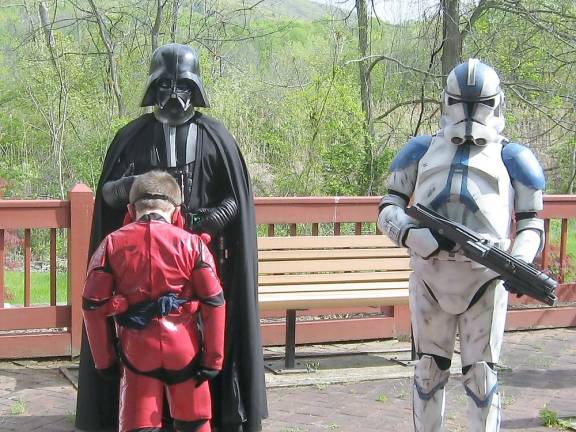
(472, 175)
(481, 384)
(429, 394)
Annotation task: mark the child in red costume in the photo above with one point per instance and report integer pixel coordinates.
(159, 284)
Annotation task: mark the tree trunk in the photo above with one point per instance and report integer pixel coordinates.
(452, 44)
(30, 21)
(56, 114)
(156, 26)
(365, 89)
(46, 26)
(174, 27)
(573, 176)
(109, 45)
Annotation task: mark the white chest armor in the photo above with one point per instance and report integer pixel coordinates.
(467, 184)
(470, 185)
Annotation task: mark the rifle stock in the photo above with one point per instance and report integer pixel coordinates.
(519, 276)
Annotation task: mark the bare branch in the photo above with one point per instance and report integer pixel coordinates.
(405, 103)
(479, 10)
(380, 57)
(540, 110)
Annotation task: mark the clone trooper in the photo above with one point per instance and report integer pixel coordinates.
(469, 173)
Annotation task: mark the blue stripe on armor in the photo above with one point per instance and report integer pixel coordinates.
(523, 166)
(427, 396)
(473, 92)
(482, 403)
(459, 165)
(465, 195)
(411, 153)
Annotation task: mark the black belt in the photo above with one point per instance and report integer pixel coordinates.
(139, 315)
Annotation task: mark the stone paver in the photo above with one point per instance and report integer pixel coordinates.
(540, 371)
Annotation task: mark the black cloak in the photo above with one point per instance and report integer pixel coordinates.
(238, 393)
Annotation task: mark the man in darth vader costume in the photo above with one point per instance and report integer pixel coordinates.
(217, 198)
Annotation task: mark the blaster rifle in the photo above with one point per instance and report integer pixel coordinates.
(520, 277)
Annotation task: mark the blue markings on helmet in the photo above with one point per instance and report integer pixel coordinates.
(474, 91)
(523, 166)
(411, 153)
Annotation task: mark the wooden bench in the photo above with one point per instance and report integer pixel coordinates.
(305, 272)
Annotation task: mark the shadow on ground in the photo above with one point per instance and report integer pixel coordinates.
(539, 379)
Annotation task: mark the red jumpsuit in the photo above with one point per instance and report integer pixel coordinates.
(135, 266)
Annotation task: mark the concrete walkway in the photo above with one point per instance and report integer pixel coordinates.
(346, 392)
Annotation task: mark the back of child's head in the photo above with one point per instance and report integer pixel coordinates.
(155, 190)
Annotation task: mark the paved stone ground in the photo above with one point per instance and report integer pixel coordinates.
(539, 372)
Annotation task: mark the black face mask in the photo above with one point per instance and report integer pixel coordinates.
(173, 94)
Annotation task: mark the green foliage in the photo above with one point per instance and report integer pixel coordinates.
(283, 79)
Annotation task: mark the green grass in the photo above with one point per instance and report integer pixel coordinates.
(571, 237)
(17, 408)
(554, 241)
(39, 288)
(550, 419)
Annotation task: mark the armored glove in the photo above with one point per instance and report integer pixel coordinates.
(116, 192)
(425, 243)
(213, 219)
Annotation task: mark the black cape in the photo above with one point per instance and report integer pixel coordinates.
(238, 393)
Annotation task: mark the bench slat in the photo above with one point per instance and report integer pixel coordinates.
(318, 266)
(319, 242)
(329, 289)
(337, 299)
(314, 254)
(319, 278)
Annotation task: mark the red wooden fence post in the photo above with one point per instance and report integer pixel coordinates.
(81, 207)
(402, 326)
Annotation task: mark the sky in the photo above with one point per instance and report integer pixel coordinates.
(393, 11)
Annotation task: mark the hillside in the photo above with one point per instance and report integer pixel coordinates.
(295, 9)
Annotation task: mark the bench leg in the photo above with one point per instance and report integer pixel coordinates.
(290, 355)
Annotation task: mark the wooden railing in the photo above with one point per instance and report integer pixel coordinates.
(304, 215)
(53, 329)
(356, 215)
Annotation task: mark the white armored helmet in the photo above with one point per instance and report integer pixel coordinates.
(472, 104)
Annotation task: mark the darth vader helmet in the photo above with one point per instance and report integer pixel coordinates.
(472, 104)
(174, 86)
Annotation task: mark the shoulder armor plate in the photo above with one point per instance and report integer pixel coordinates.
(523, 166)
(411, 153)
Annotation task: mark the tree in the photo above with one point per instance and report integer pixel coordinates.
(111, 53)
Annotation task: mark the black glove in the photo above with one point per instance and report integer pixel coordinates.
(205, 374)
(512, 290)
(443, 243)
(213, 219)
(116, 192)
(111, 373)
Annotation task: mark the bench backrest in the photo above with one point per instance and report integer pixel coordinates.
(321, 259)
